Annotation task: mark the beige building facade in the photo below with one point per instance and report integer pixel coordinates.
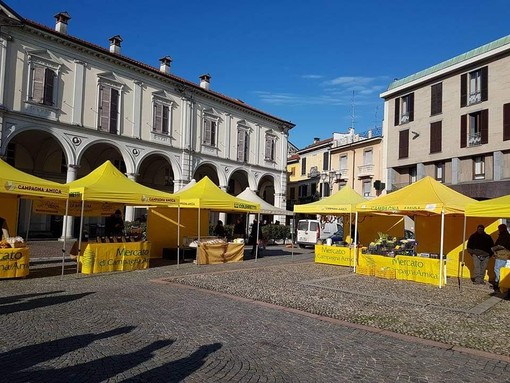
(324, 167)
(68, 105)
(452, 122)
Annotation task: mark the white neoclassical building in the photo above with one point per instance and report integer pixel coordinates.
(67, 105)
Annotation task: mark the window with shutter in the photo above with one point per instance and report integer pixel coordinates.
(403, 145)
(484, 126)
(104, 108)
(38, 76)
(506, 122)
(209, 132)
(474, 87)
(397, 112)
(114, 111)
(436, 137)
(463, 131)
(463, 90)
(325, 161)
(270, 148)
(161, 114)
(436, 99)
(241, 145)
(158, 117)
(49, 85)
(303, 166)
(166, 120)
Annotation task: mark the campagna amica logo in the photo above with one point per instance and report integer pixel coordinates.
(10, 186)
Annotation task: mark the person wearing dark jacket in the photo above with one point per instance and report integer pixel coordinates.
(480, 247)
(219, 230)
(501, 244)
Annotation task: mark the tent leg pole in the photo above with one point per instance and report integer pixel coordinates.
(441, 254)
(178, 234)
(65, 238)
(461, 275)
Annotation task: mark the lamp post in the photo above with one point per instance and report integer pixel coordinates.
(328, 178)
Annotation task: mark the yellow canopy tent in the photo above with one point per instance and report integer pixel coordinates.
(17, 183)
(205, 195)
(495, 207)
(107, 184)
(342, 202)
(426, 197)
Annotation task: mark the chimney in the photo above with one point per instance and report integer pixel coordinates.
(316, 139)
(62, 19)
(164, 65)
(205, 80)
(115, 44)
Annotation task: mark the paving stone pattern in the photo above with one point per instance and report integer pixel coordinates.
(280, 319)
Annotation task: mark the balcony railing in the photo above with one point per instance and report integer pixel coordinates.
(475, 139)
(365, 170)
(474, 98)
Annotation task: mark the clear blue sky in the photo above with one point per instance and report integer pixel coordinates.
(308, 62)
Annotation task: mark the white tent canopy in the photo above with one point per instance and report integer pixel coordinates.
(265, 207)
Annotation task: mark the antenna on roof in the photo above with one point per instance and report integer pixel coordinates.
(353, 111)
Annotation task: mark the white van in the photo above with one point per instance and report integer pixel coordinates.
(309, 231)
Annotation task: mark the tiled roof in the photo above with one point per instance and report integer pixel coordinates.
(107, 52)
(457, 59)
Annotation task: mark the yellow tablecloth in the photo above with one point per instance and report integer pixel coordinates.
(334, 255)
(14, 262)
(504, 277)
(220, 253)
(105, 257)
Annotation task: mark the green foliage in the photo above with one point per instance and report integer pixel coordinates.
(276, 232)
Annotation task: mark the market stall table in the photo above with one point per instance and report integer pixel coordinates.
(210, 253)
(14, 262)
(119, 256)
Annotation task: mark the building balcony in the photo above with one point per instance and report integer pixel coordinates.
(366, 170)
(475, 139)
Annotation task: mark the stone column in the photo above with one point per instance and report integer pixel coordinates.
(280, 201)
(67, 231)
(129, 215)
(222, 216)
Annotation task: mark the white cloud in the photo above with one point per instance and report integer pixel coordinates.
(312, 76)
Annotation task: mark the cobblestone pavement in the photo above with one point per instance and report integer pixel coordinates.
(285, 320)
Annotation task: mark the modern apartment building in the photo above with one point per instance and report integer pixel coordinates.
(452, 122)
(67, 105)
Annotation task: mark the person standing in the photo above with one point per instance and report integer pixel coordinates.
(480, 247)
(5, 229)
(501, 244)
(239, 230)
(219, 230)
(115, 225)
(255, 236)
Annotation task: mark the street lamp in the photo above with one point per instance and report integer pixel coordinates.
(328, 178)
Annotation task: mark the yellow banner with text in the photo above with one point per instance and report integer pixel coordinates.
(14, 262)
(122, 256)
(334, 255)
